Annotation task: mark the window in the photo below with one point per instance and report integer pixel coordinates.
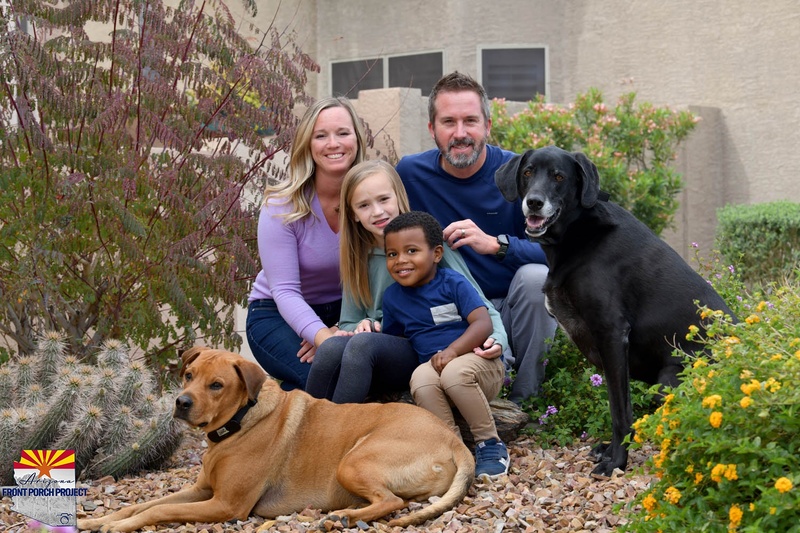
(349, 77)
(419, 71)
(517, 74)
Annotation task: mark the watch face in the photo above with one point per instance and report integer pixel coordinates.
(502, 239)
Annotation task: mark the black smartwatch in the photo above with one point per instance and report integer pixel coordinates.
(502, 240)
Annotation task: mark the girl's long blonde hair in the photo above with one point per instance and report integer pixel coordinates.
(299, 188)
(355, 241)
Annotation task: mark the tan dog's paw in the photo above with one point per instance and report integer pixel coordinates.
(92, 524)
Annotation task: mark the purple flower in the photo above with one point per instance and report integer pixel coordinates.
(596, 380)
(730, 267)
(695, 245)
(544, 363)
(584, 436)
(551, 410)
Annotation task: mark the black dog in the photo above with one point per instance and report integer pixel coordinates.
(621, 294)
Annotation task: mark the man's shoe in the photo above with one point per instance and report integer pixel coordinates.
(491, 459)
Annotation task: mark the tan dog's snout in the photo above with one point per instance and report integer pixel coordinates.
(183, 405)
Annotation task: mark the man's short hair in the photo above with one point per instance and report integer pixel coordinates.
(417, 219)
(455, 82)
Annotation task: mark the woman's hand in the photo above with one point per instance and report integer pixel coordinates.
(307, 352)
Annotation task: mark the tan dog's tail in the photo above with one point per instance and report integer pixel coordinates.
(465, 473)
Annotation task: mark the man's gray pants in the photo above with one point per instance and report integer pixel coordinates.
(530, 328)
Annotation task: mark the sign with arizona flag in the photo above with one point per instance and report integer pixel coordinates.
(45, 488)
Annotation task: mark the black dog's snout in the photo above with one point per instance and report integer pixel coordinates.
(183, 403)
(535, 202)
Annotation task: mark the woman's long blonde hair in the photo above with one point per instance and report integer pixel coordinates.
(299, 187)
(355, 241)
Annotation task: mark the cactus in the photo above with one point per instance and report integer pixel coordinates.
(109, 413)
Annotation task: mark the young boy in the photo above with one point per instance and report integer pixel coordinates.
(445, 320)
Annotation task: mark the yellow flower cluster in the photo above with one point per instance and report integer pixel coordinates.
(649, 502)
(726, 471)
(751, 387)
(715, 419)
(772, 385)
(712, 401)
(735, 515)
(783, 485)
(753, 319)
(745, 402)
(672, 495)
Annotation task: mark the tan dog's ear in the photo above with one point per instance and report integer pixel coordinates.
(189, 356)
(252, 375)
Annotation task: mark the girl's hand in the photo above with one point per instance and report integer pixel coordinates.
(364, 326)
(489, 350)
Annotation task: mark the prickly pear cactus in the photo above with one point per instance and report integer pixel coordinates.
(108, 413)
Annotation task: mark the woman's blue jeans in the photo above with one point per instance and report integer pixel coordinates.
(275, 344)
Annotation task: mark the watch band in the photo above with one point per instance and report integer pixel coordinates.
(502, 240)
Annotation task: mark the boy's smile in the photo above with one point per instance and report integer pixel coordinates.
(410, 260)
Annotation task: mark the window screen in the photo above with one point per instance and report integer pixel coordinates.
(420, 71)
(513, 73)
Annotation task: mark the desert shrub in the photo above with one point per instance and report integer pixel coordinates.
(632, 144)
(129, 168)
(729, 455)
(763, 240)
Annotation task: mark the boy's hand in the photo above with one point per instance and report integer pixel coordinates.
(440, 359)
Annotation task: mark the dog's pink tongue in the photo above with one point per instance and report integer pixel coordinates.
(535, 222)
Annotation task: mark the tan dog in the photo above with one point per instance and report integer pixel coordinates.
(294, 451)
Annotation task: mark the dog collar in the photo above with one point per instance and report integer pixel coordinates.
(231, 426)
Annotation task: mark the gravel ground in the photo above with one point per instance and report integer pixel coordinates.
(545, 491)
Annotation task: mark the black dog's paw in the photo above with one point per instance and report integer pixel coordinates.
(598, 453)
(604, 471)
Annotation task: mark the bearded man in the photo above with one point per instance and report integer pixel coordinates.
(455, 183)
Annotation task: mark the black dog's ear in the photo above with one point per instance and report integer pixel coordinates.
(506, 177)
(590, 180)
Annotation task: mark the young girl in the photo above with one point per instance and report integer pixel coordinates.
(359, 359)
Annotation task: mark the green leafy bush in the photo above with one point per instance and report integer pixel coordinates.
(633, 146)
(729, 455)
(763, 240)
(573, 400)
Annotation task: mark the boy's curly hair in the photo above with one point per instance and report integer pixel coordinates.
(417, 219)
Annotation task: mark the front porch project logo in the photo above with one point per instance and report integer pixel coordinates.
(45, 488)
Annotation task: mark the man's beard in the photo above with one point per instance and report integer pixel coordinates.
(463, 160)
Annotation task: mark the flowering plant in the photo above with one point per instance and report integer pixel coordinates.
(729, 455)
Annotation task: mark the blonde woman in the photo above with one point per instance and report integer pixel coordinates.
(296, 298)
(359, 359)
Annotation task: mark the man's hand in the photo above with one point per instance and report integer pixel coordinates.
(467, 233)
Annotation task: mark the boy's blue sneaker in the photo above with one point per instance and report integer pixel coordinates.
(491, 459)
